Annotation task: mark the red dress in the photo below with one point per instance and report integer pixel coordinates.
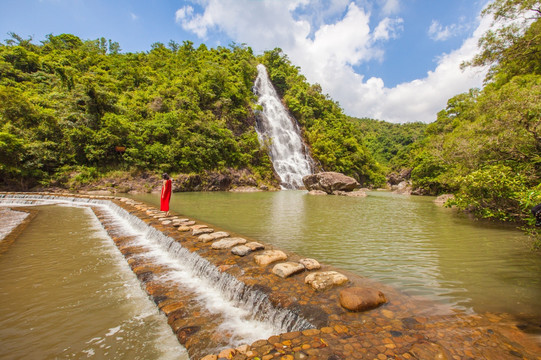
(166, 195)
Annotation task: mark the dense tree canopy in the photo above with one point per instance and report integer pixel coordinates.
(486, 145)
(68, 105)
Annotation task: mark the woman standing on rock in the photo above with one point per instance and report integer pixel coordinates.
(166, 194)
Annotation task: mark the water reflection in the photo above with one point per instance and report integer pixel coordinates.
(283, 208)
(407, 242)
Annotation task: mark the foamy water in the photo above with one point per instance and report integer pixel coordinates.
(9, 220)
(245, 318)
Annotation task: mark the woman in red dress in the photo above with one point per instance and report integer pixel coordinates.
(166, 194)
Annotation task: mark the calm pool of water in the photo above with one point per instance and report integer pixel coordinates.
(405, 241)
(67, 293)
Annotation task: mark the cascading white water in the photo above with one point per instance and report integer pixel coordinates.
(248, 313)
(280, 132)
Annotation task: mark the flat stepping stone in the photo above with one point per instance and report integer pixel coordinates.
(325, 279)
(241, 250)
(310, 264)
(188, 223)
(287, 269)
(184, 228)
(205, 230)
(269, 256)
(254, 246)
(178, 222)
(228, 243)
(213, 236)
(196, 227)
(166, 222)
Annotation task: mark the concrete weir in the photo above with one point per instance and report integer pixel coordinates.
(228, 297)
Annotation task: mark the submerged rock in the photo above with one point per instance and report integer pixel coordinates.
(357, 193)
(361, 299)
(329, 182)
(442, 199)
(317, 192)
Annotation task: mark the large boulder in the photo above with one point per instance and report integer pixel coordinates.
(329, 182)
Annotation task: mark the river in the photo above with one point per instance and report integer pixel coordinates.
(404, 241)
(68, 293)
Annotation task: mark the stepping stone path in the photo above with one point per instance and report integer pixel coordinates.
(269, 256)
(349, 322)
(324, 280)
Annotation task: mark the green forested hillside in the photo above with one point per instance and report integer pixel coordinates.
(66, 105)
(390, 144)
(486, 145)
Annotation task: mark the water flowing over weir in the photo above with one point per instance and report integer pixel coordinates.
(242, 313)
(280, 132)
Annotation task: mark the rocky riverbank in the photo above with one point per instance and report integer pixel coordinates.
(122, 182)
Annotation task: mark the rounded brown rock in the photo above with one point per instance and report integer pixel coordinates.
(361, 299)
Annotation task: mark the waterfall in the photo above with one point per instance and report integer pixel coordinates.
(280, 132)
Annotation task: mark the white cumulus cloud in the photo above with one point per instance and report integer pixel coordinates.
(327, 52)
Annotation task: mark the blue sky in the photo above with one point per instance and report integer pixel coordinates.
(395, 60)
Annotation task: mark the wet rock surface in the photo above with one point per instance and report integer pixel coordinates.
(361, 299)
(401, 328)
(329, 182)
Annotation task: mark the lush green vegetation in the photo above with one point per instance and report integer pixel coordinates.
(486, 145)
(390, 144)
(66, 106)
